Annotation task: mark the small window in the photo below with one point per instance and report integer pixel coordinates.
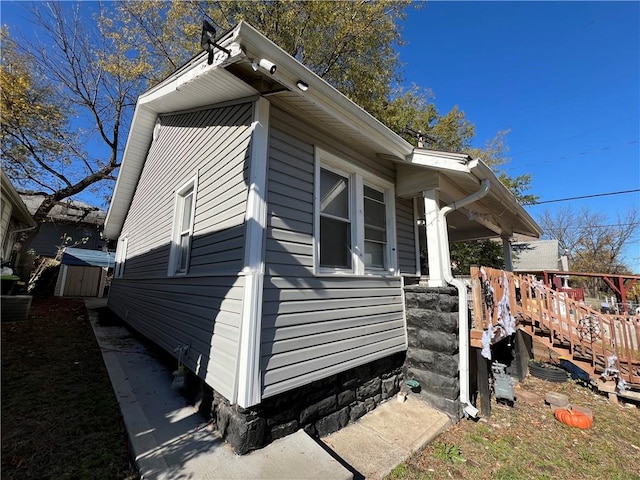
(182, 229)
(121, 257)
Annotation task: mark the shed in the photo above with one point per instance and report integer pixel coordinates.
(83, 273)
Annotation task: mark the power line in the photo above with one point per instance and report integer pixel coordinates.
(588, 196)
(571, 155)
(557, 141)
(611, 225)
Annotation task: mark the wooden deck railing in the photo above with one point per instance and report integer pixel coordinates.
(609, 344)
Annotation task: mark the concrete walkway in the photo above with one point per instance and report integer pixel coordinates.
(171, 440)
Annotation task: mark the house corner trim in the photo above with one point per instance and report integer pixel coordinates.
(249, 388)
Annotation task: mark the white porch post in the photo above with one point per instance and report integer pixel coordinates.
(506, 252)
(433, 232)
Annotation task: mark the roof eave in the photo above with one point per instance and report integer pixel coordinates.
(290, 71)
(242, 41)
(463, 164)
(482, 171)
(148, 107)
(20, 211)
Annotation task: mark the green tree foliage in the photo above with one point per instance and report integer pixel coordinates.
(486, 253)
(351, 45)
(33, 121)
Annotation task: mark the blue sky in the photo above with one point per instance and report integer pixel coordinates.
(563, 77)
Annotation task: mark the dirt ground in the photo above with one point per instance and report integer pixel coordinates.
(60, 417)
(527, 442)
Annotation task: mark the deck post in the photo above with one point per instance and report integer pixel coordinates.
(506, 252)
(522, 354)
(484, 394)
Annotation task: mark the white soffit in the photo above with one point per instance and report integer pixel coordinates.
(321, 101)
(199, 86)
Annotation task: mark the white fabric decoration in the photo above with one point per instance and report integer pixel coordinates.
(505, 319)
(487, 335)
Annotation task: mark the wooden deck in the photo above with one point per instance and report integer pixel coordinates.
(607, 347)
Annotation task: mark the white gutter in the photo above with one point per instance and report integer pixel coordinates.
(27, 229)
(324, 96)
(463, 314)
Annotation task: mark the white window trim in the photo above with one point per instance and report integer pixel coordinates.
(358, 177)
(176, 231)
(121, 256)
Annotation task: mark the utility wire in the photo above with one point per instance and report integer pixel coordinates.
(571, 155)
(587, 196)
(556, 141)
(579, 227)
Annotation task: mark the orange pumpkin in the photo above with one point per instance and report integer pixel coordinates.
(573, 418)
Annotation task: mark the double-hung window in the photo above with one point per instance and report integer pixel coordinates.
(184, 214)
(354, 229)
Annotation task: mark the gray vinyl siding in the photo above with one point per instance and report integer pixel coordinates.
(202, 312)
(203, 308)
(315, 326)
(405, 230)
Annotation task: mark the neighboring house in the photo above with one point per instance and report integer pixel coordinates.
(265, 228)
(69, 223)
(83, 273)
(16, 219)
(537, 256)
(541, 258)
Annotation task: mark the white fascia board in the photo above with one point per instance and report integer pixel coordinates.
(441, 161)
(130, 168)
(21, 211)
(199, 68)
(463, 164)
(148, 107)
(481, 171)
(320, 93)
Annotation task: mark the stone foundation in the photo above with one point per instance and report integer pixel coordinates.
(319, 408)
(432, 357)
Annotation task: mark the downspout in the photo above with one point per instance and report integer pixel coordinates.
(463, 314)
(27, 229)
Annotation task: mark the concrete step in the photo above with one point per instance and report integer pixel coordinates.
(382, 439)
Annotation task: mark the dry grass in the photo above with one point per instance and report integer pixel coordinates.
(60, 417)
(527, 442)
